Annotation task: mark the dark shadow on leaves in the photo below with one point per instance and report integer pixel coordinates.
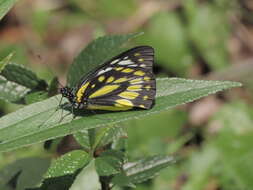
(58, 183)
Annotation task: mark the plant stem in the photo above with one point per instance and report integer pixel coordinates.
(105, 184)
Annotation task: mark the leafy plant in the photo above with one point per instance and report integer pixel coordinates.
(102, 161)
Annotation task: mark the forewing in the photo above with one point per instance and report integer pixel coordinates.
(124, 82)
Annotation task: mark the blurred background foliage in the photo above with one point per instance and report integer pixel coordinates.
(207, 39)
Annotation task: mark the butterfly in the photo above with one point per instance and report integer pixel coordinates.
(122, 83)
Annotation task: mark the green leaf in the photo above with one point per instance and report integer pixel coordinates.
(61, 182)
(44, 120)
(10, 91)
(5, 6)
(144, 169)
(16, 81)
(5, 61)
(22, 76)
(112, 134)
(83, 139)
(64, 170)
(109, 163)
(96, 53)
(68, 164)
(26, 168)
(88, 179)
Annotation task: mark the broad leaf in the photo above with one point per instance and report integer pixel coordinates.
(42, 121)
(96, 53)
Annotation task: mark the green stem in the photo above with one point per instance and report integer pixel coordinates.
(105, 184)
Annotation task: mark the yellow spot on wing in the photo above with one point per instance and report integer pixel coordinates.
(139, 73)
(123, 79)
(93, 86)
(110, 79)
(146, 78)
(119, 68)
(123, 103)
(148, 87)
(81, 91)
(137, 54)
(134, 87)
(145, 97)
(128, 95)
(141, 60)
(134, 81)
(109, 108)
(142, 106)
(101, 78)
(128, 70)
(104, 90)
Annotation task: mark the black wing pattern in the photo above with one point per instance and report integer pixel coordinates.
(124, 82)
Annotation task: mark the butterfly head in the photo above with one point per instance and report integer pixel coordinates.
(68, 93)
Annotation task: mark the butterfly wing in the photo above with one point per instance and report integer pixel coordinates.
(124, 82)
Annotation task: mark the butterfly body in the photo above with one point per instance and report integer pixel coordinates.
(122, 83)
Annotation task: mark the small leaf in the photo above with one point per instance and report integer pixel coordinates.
(44, 120)
(88, 179)
(83, 139)
(10, 91)
(5, 61)
(109, 163)
(96, 53)
(5, 6)
(61, 182)
(68, 164)
(27, 167)
(122, 180)
(112, 134)
(143, 170)
(16, 81)
(22, 76)
(64, 170)
(53, 87)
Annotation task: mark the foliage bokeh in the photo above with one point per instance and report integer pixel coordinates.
(193, 39)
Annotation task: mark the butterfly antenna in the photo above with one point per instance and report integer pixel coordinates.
(49, 69)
